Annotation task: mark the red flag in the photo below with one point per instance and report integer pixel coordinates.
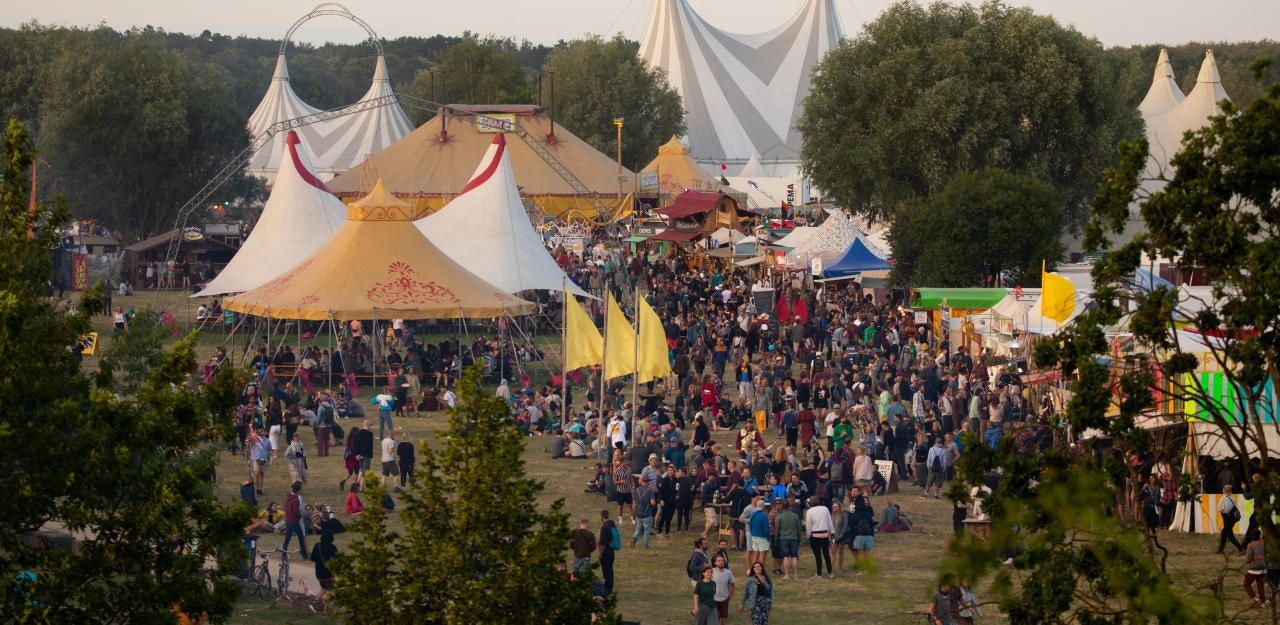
(782, 309)
(723, 167)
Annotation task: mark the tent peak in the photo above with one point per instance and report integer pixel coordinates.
(380, 73)
(282, 69)
(1209, 69)
(380, 205)
(499, 141)
(305, 172)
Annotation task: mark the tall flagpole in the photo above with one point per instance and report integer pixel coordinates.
(604, 436)
(564, 348)
(635, 366)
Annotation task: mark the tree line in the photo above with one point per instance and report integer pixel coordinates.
(129, 124)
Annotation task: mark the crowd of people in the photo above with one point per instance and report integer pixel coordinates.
(788, 419)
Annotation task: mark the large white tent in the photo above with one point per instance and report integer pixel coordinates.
(300, 216)
(741, 93)
(486, 229)
(1169, 116)
(334, 145)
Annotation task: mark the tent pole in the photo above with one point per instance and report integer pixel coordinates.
(635, 363)
(564, 352)
(328, 366)
(604, 437)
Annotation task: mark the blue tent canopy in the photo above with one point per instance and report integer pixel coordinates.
(857, 259)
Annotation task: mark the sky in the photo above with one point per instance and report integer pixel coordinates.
(1113, 22)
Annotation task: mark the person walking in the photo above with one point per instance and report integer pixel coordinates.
(582, 544)
(1230, 516)
(296, 455)
(698, 561)
(407, 459)
(759, 595)
(787, 534)
(646, 506)
(723, 578)
(817, 521)
(941, 606)
(320, 555)
(293, 507)
(704, 599)
(609, 542)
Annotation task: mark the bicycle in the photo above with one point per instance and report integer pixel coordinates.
(260, 576)
(282, 574)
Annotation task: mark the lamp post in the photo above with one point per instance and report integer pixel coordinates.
(617, 122)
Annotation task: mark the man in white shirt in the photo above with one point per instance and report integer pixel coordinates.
(617, 431)
(1230, 516)
(389, 469)
(817, 524)
(449, 399)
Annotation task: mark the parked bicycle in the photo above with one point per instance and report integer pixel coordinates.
(260, 577)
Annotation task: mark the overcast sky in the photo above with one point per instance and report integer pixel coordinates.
(1114, 22)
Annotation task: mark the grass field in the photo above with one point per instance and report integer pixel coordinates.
(651, 585)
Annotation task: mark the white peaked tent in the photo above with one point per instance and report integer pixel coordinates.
(486, 229)
(1164, 93)
(753, 168)
(741, 93)
(299, 217)
(334, 145)
(1165, 129)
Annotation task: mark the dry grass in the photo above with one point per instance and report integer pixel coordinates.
(651, 585)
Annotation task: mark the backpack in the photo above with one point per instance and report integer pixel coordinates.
(689, 566)
(1232, 516)
(615, 538)
(936, 465)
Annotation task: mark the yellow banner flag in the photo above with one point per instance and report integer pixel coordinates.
(619, 343)
(1057, 296)
(655, 362)
(583, 345)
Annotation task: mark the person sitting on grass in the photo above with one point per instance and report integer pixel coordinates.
(354, 505)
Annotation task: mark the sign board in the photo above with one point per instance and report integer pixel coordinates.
(815, 266)
(889, 471)
(649, 181)
(921, 317)
(944, 315)
(192, 233)
(645, 229)
(89, 344)
(491, 123)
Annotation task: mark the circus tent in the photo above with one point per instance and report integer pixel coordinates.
(299, 216)
(742, 93)
(377, 265)
(333, 145)
(432, 164)
(486, 229)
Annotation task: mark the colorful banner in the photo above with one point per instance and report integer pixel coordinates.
(79, 272)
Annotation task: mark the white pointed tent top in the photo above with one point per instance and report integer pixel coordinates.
(486, 229)
(335, 145)
(1165, 130)
(298, 218)
(1164, 93)
(753, 168)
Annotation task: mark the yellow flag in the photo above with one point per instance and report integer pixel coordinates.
(1057, 296)
(655, 363)
(619, 343)
(583, 345)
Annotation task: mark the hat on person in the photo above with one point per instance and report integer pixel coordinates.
(653, 456)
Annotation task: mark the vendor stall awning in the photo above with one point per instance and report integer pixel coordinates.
(691, 203)
(960, 298)
(635, 238)
(676, 235)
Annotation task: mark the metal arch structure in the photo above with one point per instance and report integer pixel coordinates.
(331, 8)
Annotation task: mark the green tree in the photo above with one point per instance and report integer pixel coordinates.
(597, 81)
(985, 222)
(129, 478)
(132, 130)
(475, 548)
(1078, 555)
(135, 352)
(1217, 213)
(475, 71)
(926, 93)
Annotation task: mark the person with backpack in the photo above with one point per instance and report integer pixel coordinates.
(937, 464)
(610, 541)
(1230, 516)
(698, 561)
